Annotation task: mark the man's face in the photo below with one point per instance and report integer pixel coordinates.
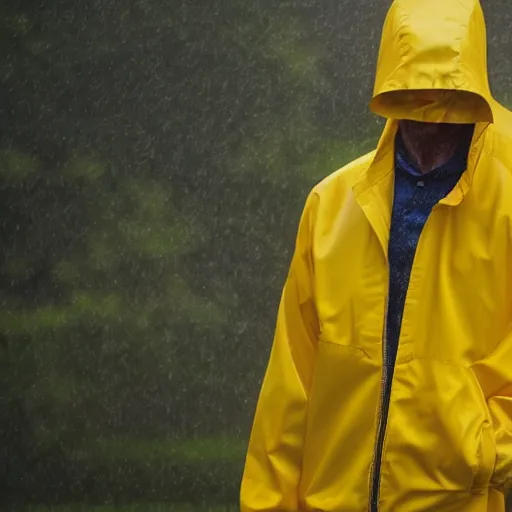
(429, 131)
(420, 129)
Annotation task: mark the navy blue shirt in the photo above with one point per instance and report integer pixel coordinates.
(415, 195)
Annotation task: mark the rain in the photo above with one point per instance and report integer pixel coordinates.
(155, 157)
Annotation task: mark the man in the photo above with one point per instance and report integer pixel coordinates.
(389, 386)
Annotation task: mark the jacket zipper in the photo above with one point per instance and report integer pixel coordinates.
(383, 417)
(385, 397)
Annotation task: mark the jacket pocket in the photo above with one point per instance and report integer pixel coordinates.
(439, 441)
(486, 455)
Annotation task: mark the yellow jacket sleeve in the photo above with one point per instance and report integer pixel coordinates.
(273, 464)
(495, 376)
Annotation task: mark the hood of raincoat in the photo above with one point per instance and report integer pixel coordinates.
(432, 64)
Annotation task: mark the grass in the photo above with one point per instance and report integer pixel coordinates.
(185, 450)
(138, 507)
(135, 475)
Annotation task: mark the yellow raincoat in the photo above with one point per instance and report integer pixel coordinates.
(447, 444)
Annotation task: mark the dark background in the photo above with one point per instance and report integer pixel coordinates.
(154, 159)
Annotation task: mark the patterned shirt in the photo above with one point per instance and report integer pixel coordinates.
(415, 195)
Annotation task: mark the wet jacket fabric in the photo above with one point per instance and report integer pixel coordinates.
(445, 441)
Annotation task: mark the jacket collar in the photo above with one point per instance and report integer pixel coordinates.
(374, 190)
